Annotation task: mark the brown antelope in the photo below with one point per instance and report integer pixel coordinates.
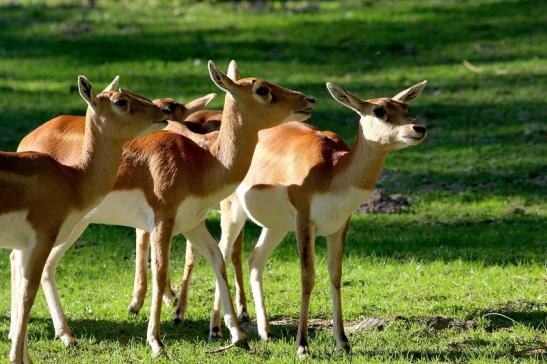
(41, 199)
(70, 128)
(167, 183)
(202, 127)
(310, 183)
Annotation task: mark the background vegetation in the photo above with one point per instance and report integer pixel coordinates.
(473, 242)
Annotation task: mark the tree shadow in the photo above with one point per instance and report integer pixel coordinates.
(384, 42)
(125, 331)
(489, 241)
(514, 313)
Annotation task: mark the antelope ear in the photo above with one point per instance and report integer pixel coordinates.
(113, 85)
(221, 79)
(199, 103)
(410, 93)
(345, 97)
(233, 70)
(86, 91)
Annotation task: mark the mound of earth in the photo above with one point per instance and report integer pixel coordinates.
(379, 202)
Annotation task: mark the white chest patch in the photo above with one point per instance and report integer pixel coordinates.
(329, 211)
(16, 232)
(126, 208)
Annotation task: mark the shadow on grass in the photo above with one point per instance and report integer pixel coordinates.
(471, 347)
(530, 314)
(390, 42)
(125, 331)
(505, 241)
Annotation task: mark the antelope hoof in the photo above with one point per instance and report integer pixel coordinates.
(244, 317)
(265, 334)
(169, 297)
(179, 316)
(243, 344)
(302, 352)
(134, 308)
(157, 348)
(24, 361)
(68, 340)
(215, 333)
(345, 346)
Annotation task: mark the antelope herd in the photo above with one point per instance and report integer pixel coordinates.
(256, 158)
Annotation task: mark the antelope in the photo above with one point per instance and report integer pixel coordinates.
(71, 128)
(202, 127)
(310, 183)
(41, 199)
(204, 121)
(167, 183)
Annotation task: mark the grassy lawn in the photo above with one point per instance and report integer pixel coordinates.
(472, 247)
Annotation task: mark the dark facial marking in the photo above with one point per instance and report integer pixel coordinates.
(379, 112)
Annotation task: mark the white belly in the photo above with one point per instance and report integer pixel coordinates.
(125, 208)
(329, 211)
(268, 207)
(16, 232)
(130, 208)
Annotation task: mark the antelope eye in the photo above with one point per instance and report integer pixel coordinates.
(120, 103)
(379, 112)
(262, 91)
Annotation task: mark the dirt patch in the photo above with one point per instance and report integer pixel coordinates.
(436, 323)
(536, 351)
(370, 323)
(515, 210)
(379, 202)
(71, 30)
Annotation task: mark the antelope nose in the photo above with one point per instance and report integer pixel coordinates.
(166, 109)
(311, 100)
(419, 129)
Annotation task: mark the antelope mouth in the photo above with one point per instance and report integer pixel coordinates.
(165, 119)
(413, 138)
(306, 111)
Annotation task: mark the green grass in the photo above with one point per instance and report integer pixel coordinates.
(460, 251)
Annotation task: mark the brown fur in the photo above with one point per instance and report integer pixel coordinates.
(310, 163)
(50, 191)
(170, 167)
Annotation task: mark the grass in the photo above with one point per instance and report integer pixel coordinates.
(461, 251)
